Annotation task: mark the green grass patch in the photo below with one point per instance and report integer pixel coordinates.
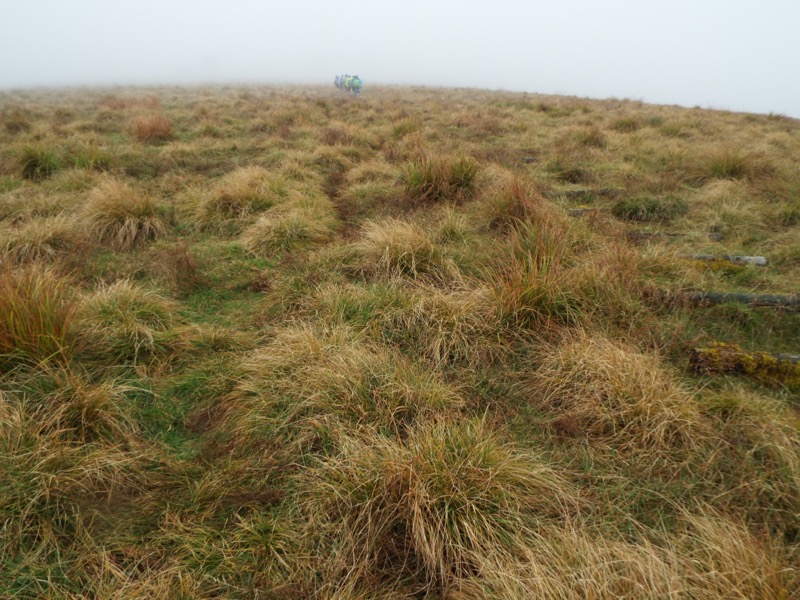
(650, 208)
(37, 163)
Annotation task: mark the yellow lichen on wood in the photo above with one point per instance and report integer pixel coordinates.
(721, 357)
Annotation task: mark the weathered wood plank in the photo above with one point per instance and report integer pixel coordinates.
(775, 300)
(721, 357)
(759, 261)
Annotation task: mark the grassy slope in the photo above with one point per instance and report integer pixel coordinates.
(271, 343)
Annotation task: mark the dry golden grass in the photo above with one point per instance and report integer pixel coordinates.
(42, 239)
(443, 327)
(304, 378)
(151, 128)
(533, 285)
(435, 179)
(120, 215)
(398, 363)
(509, 200)
(396, 248)
(239, 196)
(608, 391)
(123, 323)
(759, 452)
(420, 515)
(37, 312)
(290, 227)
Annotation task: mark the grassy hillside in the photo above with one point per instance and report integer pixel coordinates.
(286, 343)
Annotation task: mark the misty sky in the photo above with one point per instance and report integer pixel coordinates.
(732, 54)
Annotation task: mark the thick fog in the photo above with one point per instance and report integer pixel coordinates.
(732, 54)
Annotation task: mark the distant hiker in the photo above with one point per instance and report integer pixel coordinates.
(349, 83)
(355, 85)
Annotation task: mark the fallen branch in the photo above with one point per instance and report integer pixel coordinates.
(775, 300)
(720, 357)
(759, 261)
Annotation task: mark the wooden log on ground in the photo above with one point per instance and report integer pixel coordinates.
(774, 300)
(759, 261)
(720, 357)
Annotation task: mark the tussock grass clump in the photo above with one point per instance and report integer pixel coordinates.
(339, 133)
(502, 206)
(479, 125)
(649, 208)
(119, 102)
(726, 207)
(463, 171)
(42, 239)
(759, 455)
(358, 306)
(126, 323)
(89, 156)
(151, 128)
(458, 327)
(728, 163)
(296, 168)
(721, 558)
(370, 198)
(306, 377)
(51, 488)
(608, 284)
(589, 137)
(16, 121)
(37, 163)
(453, 327)
(291, 227)
(430, 179)
(706, 556)
(789, 215)
(452, 227)
(404, 127)
(401, 150)
(449, 503)
(72, 408)
(626, 124)
(398, 248)
(533, 285)
(120, 215)
(373, 171)
(344, 134)
(333, 161)
(239, 196)
(37, 311)
(608, 391)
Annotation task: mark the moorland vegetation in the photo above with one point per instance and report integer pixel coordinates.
(282, 343)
